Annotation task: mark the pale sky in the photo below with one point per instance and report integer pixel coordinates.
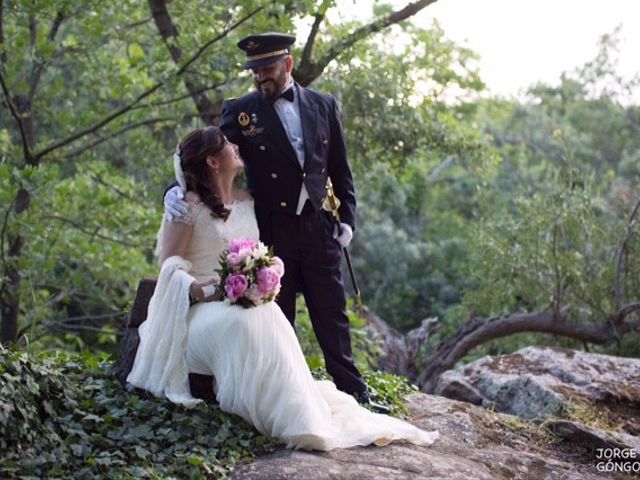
(522, 42)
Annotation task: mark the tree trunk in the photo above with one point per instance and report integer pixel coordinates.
(209, 111)
(10, 299)
(10, 293)
(401, 351)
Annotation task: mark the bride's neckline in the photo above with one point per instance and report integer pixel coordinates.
(237, 196)
(236, 201)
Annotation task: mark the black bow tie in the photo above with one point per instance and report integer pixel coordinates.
(287, 94)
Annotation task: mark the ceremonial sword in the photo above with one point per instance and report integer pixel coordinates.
(331, 203)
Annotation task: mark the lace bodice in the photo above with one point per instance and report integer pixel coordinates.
(211, 235)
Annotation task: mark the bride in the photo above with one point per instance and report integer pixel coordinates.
(259, 369)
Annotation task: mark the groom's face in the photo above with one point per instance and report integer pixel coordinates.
(271, 79)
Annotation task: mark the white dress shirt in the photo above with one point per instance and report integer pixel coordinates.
(289, 114)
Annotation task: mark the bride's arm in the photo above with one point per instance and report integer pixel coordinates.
(175, 240)
(177, 233)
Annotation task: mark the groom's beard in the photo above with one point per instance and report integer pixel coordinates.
(270, 88)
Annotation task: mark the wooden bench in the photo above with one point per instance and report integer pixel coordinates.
(201, 385)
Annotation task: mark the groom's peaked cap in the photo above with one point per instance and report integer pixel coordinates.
(265, 48)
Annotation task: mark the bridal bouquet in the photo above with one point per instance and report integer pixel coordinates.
(249, 273)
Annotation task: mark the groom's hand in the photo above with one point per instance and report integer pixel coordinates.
(343, 234)
(174, 204)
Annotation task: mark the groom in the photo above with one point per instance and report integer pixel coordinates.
(291, 140)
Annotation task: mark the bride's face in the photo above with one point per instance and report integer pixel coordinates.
(229, 161)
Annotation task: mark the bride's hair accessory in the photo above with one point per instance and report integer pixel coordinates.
(177, 169)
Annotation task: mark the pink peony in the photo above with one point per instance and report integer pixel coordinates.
(234, 259)
(235, 286)
(267, 279)
(253, 295)
(239, 244)
(278, 266)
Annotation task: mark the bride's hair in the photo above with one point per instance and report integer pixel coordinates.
(195, 147)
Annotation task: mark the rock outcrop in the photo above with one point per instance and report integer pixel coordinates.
(539, 413)
(599, 393)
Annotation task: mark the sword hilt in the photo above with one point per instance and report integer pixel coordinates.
(331, 203)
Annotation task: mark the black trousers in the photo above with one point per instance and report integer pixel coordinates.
(312, 266)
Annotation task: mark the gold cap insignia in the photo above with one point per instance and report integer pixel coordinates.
(243, 119)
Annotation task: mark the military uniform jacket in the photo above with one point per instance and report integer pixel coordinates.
(274, 175)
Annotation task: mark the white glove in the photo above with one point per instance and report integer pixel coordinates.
(344, 238)
(174, 205)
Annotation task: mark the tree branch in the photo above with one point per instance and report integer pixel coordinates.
(311, 39)
(121, 111)
(167, 29)
(14, 113)
(3, 52)
(478, 331)
(308, 71)
(108, 185)
(434, 175)
(97, 126)
(33, 31)
(177, 99)
(3, 234)
(218, 38)
(80, 228)
(206, 108)
(138, 23)
(617, 319)
(556, 271)
(67, 325)
(126, 128)
(39, 66)
(622, 249)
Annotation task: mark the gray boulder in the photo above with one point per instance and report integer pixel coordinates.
(475, 444)
(539, 413)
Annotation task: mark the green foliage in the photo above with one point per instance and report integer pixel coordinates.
(392, 99)
(389, 389)
(366, 350)
(416, 163)
(384, 388)
(92, 236)
(554, 246)
(97, 88)
(424, 250)
(551, 214)
(459, 198)
(62, 416)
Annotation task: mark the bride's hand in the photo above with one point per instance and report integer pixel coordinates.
(205, 291)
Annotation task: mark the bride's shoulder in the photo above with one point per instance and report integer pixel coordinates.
(196, 206)
(193, 198)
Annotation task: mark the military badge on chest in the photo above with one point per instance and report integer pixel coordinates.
(248, 124)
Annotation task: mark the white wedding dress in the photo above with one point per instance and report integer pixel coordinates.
(259, 369)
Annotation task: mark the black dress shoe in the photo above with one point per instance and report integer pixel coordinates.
(364, 400)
